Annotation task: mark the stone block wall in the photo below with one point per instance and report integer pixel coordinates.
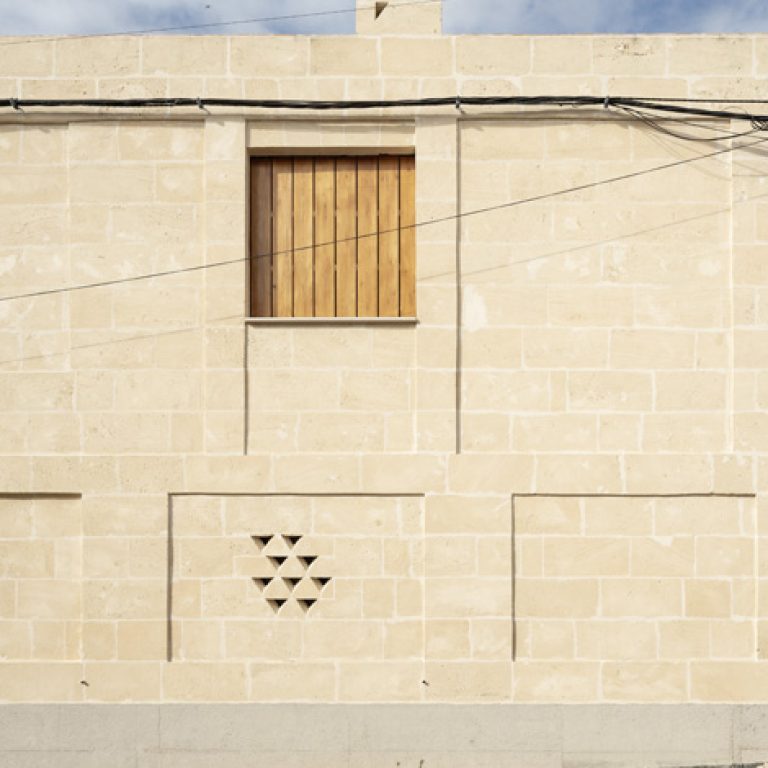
(550, 488)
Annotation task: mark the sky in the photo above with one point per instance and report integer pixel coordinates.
(53, 17)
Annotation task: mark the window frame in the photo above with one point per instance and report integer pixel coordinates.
(399, 238)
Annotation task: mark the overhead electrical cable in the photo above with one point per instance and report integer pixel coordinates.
(758, 121)
(657, 126)
(417, 225)
(207, 25)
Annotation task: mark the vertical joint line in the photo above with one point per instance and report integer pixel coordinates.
(314, 238)
(335, 237)
(513, 580)
(169, 585)
(246, 393)
(458, 288)
(378, 236)
(356, 240)
(731, 319)
(293, 237)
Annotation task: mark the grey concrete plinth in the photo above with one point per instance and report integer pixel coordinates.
(379, 736)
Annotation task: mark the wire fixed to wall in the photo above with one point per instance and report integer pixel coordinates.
(674, 107)
(416, 225)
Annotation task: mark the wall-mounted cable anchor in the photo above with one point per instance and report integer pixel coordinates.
(607, 102)
(199, 103)
(458, 103)
(14, 104)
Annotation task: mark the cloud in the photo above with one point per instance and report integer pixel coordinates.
(533, 17)
(50, 17)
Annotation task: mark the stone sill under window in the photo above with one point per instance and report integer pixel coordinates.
(332, 321)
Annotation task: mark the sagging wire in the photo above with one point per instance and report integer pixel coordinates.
(657, 126)
(416, 225)
(758, 121)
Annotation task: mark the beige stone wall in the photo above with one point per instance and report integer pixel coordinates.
(551, 489)
(622, 598)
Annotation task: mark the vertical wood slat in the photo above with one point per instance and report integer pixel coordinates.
(282, 240)
(368, 240)
(333, 237)
(407, 237)
(303, 237)
(261, 238)
(346, 232)
(389, 246)
(325, 236)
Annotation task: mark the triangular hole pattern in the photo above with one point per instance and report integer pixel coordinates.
(261, 541)
(277, 603)
(278, 560)
(292, 540)
(307, 603)
(308, 560)
(380, 6)
(321, 581)
(259, 582)
(292, 582)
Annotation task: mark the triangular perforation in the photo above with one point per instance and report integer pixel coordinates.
(292, 581)
(307, 603)
(379, 7)
(277, 603)
(307, 560)
(277, 589)
(321, 581)
(292, 540)
(278, 560)
(261, 540)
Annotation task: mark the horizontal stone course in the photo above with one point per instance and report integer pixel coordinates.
(552, 502)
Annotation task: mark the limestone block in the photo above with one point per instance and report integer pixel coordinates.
(299, 681)
(564, 432)
(722, 55)
(97, 56)
(557, 54)
(141, 640)
(641, 55)
(40, 681)
(555, 681)
(425, 58)
(266, 57)
(146, 141)
(493, 55)
(344, 56)
(468, 681)
(122, 682)
(623, 640)
(641, 597)
(647, 681)
(578, 473)
(27, 58)
(380, 681)
(680, 432)
(727, 681)
(199, 681)
(686, 639)
(132, 87)
(198, 55)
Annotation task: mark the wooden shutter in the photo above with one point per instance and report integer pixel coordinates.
(333, 237)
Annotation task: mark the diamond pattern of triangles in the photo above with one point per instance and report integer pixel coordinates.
(291, 579)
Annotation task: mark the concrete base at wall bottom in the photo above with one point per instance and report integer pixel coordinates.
(379, 736)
